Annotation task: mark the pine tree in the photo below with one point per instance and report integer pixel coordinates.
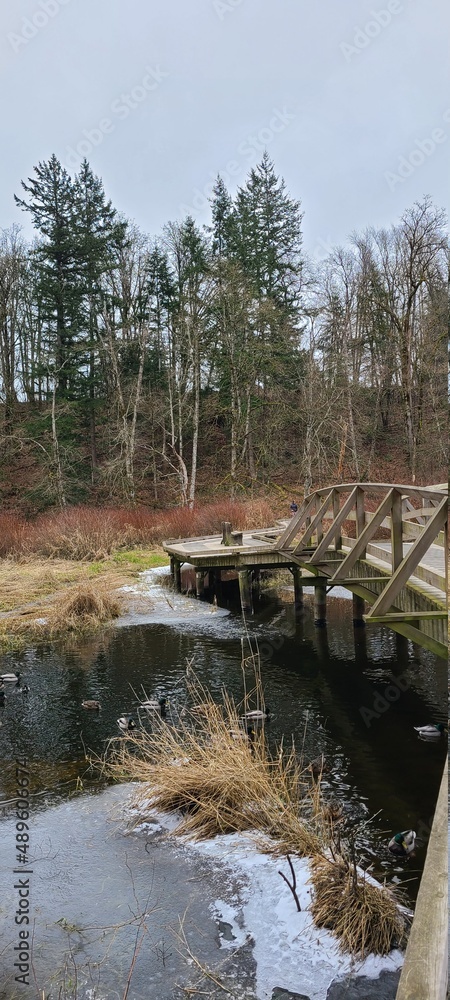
(52, 208)
(98, 235)
(267, 236)
(222, 220)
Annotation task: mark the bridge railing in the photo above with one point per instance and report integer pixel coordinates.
(311, 535)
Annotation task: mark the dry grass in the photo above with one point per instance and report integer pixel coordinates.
(81, 609)
(365, 917)
(220, 781)
(89, 533)
(207, 769)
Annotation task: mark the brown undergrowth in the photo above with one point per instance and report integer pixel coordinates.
(204, 766)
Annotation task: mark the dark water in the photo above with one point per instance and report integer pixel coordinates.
(329, 688)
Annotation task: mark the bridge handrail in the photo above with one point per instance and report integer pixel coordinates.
(425, 492)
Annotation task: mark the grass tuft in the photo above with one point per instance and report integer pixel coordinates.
(364, 916)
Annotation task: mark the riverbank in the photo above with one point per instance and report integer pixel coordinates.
(36, 594)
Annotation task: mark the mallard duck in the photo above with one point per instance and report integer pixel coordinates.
(257, 715)
(431, 732)
(403, 844)
(10, 678)
(247, 734)
(125, 723)
(20, 688)
(94, 705)
(154, 705)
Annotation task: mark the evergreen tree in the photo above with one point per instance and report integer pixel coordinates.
(52, 208)
(222, 220)
(267, 236)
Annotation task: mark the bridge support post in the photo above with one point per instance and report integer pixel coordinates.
(320, 604)
(298, 589)
(199, 584)
(226, 533)
(256, 582)
(177, 575)
(359, 606)
(245, 590)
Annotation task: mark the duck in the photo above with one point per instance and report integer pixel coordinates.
(2, 696)
(94, 705)
(432, 731)
(319, 766)
(403, 844)
(10, 678)
(257, 715)
(20, 688)
(125, 723)
(155, 705)
(248, 734)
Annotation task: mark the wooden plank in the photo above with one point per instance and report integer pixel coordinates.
(396, 530)
(430, 493)
(290, 532)
(313, 525)
(408, 616)
(424, 972)
(364, 538)
(409, 563)
(336, 508)
(361, 579)
(333, 531)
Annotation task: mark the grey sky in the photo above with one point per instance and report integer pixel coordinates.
(216, 77)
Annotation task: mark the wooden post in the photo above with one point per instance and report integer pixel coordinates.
(244, 590)
(177, 575)
(360, 516)
(320, 604)
(336, 509)
(172, 567)
(359, 606)
(226, 533)
(256, 583)
(298, 588)
(199, 584)
(396, 530)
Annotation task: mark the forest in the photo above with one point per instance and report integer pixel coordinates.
(214, 360)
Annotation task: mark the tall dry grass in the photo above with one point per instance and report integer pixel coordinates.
(94, 533)
(220, 781)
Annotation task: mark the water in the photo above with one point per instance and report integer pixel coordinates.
(328, 688)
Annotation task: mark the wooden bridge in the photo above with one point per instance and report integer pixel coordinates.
(385, 543)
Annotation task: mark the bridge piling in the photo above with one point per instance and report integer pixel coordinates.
(298, 588)
(245, 590)
(320, 604)
(359, 607)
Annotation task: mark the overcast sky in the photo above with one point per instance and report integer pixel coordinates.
(349, 97)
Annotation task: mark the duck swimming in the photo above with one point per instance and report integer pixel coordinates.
(10, 678)
(257, 715)
(155, 706)
(93, 705)
(431, 732)
(125, 723)
(403, 844)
